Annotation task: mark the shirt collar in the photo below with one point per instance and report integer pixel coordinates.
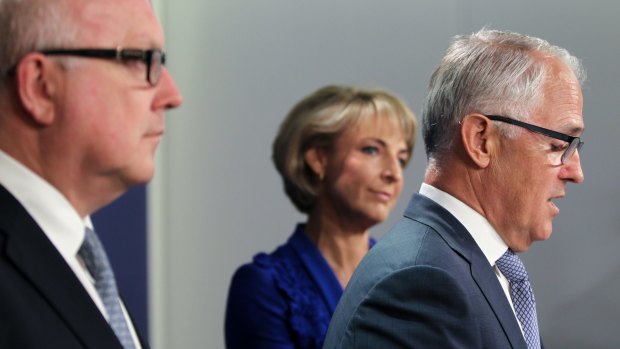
(49, 208)
(487, 239)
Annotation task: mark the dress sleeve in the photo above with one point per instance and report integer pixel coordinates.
(256, 311)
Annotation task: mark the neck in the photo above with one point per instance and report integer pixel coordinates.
(474, 187)
(465, 187)
(45, 151)
(86, 197)
(343, 246)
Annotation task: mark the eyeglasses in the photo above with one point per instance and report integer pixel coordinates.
(574, 143)
(154, 59)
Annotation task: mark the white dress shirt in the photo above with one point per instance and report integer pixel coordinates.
(60, 222)
(487, 239)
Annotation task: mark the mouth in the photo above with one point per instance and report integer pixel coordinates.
(155, 133)
(153, 138)
(551, 202)
(383, 196)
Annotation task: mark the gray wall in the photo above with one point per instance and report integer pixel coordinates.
(241, 65)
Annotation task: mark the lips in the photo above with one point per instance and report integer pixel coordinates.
(155, 133)
(553, 205)
(383, 196)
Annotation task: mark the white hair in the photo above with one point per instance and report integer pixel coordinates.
(32, 25)
(490, 72)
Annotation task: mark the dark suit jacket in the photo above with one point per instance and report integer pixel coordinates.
(426, 284)
(42, 302)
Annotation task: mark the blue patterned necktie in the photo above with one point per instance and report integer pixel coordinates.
(522, 296)
(98, 265)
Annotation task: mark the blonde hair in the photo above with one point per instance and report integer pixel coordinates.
(318, 120)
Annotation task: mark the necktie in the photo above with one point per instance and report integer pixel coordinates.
(98, 265)
(522, 296)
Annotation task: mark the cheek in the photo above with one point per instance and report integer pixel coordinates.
(119, 119)
(357, 172)
(108, 127)
(349, 179)
(112, 135)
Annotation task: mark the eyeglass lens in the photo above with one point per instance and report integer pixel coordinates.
(575, 145)
(155, 67)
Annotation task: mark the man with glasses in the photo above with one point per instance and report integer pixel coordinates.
(502, 125)
(83, 91)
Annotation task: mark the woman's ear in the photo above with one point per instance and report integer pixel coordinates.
(479, 137)
(37, 82)
(317, 160)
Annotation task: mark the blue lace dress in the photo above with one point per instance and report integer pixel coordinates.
(282, 300)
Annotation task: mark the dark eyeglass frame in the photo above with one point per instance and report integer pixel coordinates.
(154, 59)
(574, 143)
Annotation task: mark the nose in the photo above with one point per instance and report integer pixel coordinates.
(572, 170)
(392, 171)
(168, 95)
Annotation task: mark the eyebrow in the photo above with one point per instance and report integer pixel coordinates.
(384, 144)
(572, 130)
(374, 139)
(571, 127)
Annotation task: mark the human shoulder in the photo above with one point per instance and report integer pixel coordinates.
(410, 250)
(424, 306)
(267, 269)
(403, 245)
(255, 286)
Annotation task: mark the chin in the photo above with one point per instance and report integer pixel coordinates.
(139, 176)
(542, 234)
(377, 218)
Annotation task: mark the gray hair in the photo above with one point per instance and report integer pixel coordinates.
(318, 120)
(490, 72)
(31, 25)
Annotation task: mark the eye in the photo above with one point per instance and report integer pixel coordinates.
(370, 150)
(403, 162)
(559, 147)
(134, 63)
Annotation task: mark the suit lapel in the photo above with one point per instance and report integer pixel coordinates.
(458, 238)
(40, 262)
(143, 342)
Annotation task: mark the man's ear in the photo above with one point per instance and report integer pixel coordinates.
(316, 158)
(479, 138)
(36, 86)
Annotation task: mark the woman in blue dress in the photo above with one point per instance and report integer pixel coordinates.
(341, 153)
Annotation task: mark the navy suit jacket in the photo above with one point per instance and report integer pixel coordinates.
(42, 302)
(426, 284)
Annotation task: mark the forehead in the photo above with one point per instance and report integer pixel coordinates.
(382, 126)
(111, 23)
(562, 104)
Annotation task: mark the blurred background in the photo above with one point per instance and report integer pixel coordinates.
(217, 200)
